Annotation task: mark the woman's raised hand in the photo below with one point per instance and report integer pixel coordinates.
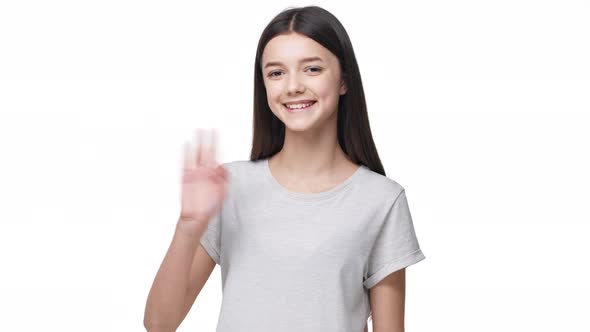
(204, 183)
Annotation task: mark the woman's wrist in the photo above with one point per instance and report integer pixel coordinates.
(191, 226)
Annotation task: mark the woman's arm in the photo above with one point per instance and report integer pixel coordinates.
(387, 300)
(167, 301)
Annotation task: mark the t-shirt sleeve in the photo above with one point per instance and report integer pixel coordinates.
(396, 245)
(211, 239)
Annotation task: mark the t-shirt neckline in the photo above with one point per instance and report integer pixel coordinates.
(308, 196)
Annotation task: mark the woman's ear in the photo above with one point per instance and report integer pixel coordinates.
(343, 88)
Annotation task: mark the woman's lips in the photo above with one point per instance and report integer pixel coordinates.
(297, 110)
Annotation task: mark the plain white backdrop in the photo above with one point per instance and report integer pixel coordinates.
(480, 109)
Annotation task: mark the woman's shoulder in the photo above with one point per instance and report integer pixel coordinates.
(378, 185)
(240, 164)
(243, 168)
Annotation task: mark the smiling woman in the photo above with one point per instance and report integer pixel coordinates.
(302, 77)
(312, 236)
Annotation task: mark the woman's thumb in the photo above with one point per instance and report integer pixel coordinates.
(221, 171)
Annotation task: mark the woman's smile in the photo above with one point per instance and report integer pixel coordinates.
(299, 108)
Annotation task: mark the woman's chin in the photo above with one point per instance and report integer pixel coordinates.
(297, 128)
(301, 125)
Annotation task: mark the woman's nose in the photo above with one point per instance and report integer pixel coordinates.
(294, 85)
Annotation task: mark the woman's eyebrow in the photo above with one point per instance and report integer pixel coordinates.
(276, 63)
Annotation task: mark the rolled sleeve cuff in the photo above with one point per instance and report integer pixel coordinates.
(393, 266)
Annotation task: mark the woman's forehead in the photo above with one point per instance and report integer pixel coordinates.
(295, 48)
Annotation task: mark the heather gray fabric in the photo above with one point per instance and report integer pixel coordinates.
(304, 262)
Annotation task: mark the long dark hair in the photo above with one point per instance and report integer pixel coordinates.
(354, 132)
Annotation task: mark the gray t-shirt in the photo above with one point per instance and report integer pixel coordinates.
(297, 262)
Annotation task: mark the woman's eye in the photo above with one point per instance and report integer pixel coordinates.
(272, 73)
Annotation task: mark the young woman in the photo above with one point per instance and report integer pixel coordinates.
(310, 234)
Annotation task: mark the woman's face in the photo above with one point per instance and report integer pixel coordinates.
(290, 79)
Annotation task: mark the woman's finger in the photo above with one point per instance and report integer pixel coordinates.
(189, 162)
(200, 154)
(212, 149)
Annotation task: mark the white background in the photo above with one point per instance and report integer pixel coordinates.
(479, 109)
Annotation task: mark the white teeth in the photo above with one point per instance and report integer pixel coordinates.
(295, 106)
